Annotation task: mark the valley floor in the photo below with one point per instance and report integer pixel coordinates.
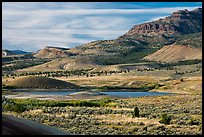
(184, 108)
(185, 112)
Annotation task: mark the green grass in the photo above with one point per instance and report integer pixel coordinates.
(30, 103)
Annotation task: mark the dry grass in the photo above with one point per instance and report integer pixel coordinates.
(175, 53)
(112, 80)
(40, 82)
(62, 64)
(119, 118)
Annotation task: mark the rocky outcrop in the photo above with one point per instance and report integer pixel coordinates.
(180, 22)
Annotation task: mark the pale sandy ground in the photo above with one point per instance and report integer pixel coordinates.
(57, 97)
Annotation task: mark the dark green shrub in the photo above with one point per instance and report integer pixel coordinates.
(135, 112)
(193, 122)
(15, 107)
(165, 119)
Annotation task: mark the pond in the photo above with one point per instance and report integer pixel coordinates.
(119, 93)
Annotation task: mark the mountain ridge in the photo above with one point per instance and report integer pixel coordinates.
(172, 24)
(140, 41)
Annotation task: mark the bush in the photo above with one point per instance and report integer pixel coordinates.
(135, 112)
(8, 87)
(193, 122)
(14, 107)
(165, 119)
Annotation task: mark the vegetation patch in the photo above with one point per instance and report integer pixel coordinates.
(41, 82)
(75, 103)
(165, 119)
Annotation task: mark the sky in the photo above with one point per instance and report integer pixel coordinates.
(31, 26)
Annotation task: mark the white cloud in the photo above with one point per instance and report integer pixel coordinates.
(36, 24)
(47, 12)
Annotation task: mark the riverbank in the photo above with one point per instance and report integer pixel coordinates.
(85, 95)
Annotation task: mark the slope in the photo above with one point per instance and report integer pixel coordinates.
(174, 53)
(40, 82)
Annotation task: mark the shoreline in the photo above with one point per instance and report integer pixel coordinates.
(83, 95)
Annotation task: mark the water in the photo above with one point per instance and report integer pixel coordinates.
(135, 94)
(119, 93)
(51, 93)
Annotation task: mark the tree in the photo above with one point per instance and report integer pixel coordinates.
(135, 112)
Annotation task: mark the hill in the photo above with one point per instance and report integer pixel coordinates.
(182, 27)
(63, 64)
(53, 52)
(41, 82)
(174, 53)
(174, 24)
(7, 53)
(144, 39)
(20, 52)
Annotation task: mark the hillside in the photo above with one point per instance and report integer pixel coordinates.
(53, 52)
(182, 27)
(62, 64)
(176, 23)
(192, 40)
(41, 82)
(174, 53)
(144, 39)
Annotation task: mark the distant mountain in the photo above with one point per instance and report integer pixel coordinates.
(181, 28)
(6, 52)
(20, 52)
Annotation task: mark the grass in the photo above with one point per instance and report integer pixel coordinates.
(40, 82)
(75, 103)
(115, 116)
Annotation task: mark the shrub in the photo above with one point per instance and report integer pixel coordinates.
(135, 112)
(14, 107)
(193, 122)
(165, 119)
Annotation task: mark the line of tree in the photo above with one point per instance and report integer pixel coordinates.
(82, 72)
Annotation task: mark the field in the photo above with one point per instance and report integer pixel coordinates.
(105, 115)
(80, 76)
(115, 115)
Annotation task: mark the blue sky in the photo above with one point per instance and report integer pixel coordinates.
(32, 26)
